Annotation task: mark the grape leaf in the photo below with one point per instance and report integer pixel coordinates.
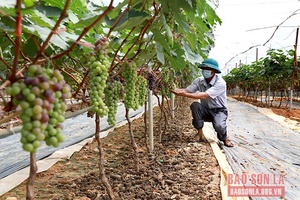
(161, 39)
(159, 54)
(190, 55)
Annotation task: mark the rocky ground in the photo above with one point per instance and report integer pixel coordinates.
(179, 167)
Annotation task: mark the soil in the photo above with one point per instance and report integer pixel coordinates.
(178, 168)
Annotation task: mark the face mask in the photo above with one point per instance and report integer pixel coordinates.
(206, 73)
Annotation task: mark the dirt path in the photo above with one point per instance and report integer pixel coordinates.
(179, 168)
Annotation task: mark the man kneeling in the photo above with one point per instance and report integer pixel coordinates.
(211, 90)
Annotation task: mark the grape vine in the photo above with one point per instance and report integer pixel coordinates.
(32, 33)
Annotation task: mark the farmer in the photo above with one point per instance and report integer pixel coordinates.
(212, 107)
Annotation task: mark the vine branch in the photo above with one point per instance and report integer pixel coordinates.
(85, 31)
(18, 41)
(54, 29)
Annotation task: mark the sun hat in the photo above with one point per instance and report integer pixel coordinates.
(210, 63)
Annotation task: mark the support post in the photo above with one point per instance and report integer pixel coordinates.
(150, 112)
(172, 105)
(293, 72)
(150, 108)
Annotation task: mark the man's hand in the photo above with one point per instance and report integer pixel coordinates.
(185, 93)
(179, 91)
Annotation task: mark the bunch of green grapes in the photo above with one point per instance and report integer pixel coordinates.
(193, 29)
(113, 93)
(120, 90)
(141, 90)
(78, 78)
(99, 65)
(41, 97)
(130, 76)
(170, 19)
(168, 81)
(53, 135)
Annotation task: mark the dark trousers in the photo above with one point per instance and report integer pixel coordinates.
(217, 116)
